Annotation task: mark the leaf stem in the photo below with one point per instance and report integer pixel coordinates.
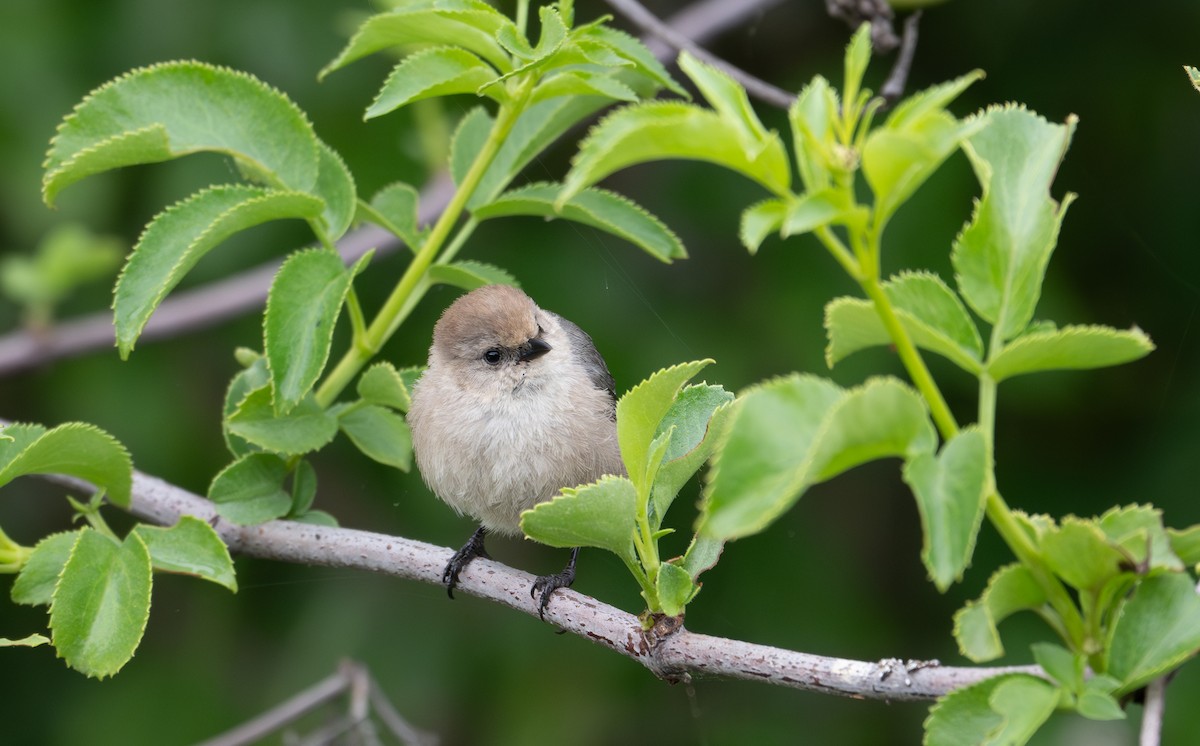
(1001, 517)
(647, 550)
(839, 252)
(401, 298)
(13, 556)
(913, 363)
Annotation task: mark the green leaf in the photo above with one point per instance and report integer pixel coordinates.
(304, 488)
(602, 514)
(914, 141)
(67, 257)
(729, 100)
(379, 433)
(639, 413)
(546, 53)
(1001, 256)
(666, 129)
(1139, 531)
(1156, 630)
(428, 73)
(675, 588)
(761, 220)
(928, 310)
(812, 117)
(30, 641)
(1060, 664)
(1193, 75)
(101, 603)
(190, 547)
(858, 55)
(789, 434)
(75, 448)
(161, 112)
(1080, 553)
(813, 210)
(1069, 348)
(469, 275)
(35, 585)
(597, 208)
(1012, 588)
(1185, 543)
(702, 554)
(303, 306)
(250, 490)
(582, 83)
(950, 494)
(181, 235)
(696, 418)
(1096, 701)
(306, 428)
(316, 518)
(642, 62)
(255, 376)
(470, 24)
(335, 187)
(395, 208)
(382, 384)
(469, 136)
(1002, 711)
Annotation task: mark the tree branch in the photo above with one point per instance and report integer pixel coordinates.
(668, 650)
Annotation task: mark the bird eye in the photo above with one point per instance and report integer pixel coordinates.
(492, 356)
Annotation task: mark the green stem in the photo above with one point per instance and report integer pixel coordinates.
(1074, 630)
(913, 363)
(839, 252)
(646, 547)
(393, 310)
(13, 556)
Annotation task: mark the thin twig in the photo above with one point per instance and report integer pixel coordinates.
(648, 22)
(277, 717)
(897, 79)
(670, 652)
(223, 299)
(353, 678)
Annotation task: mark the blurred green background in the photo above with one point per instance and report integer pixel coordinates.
(839, 575)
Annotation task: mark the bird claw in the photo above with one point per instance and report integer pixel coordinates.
(547, 584)
(472, 549)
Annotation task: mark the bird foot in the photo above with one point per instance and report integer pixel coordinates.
(544, 585)
(472, 549)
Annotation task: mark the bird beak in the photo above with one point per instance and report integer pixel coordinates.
(532, 349)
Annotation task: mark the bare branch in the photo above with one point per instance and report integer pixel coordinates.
(650, 23)
(897, 79)
(669, 651)
(352, 678)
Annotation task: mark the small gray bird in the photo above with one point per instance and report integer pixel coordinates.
(515, 405)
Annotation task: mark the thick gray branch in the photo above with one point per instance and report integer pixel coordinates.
(671, 652)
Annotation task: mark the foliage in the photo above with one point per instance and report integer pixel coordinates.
(96, 584)
(1114, 589)
(1091, 580)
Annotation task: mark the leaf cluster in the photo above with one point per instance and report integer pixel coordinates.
(96, 585)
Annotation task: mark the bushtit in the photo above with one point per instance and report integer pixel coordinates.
(515, 405)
